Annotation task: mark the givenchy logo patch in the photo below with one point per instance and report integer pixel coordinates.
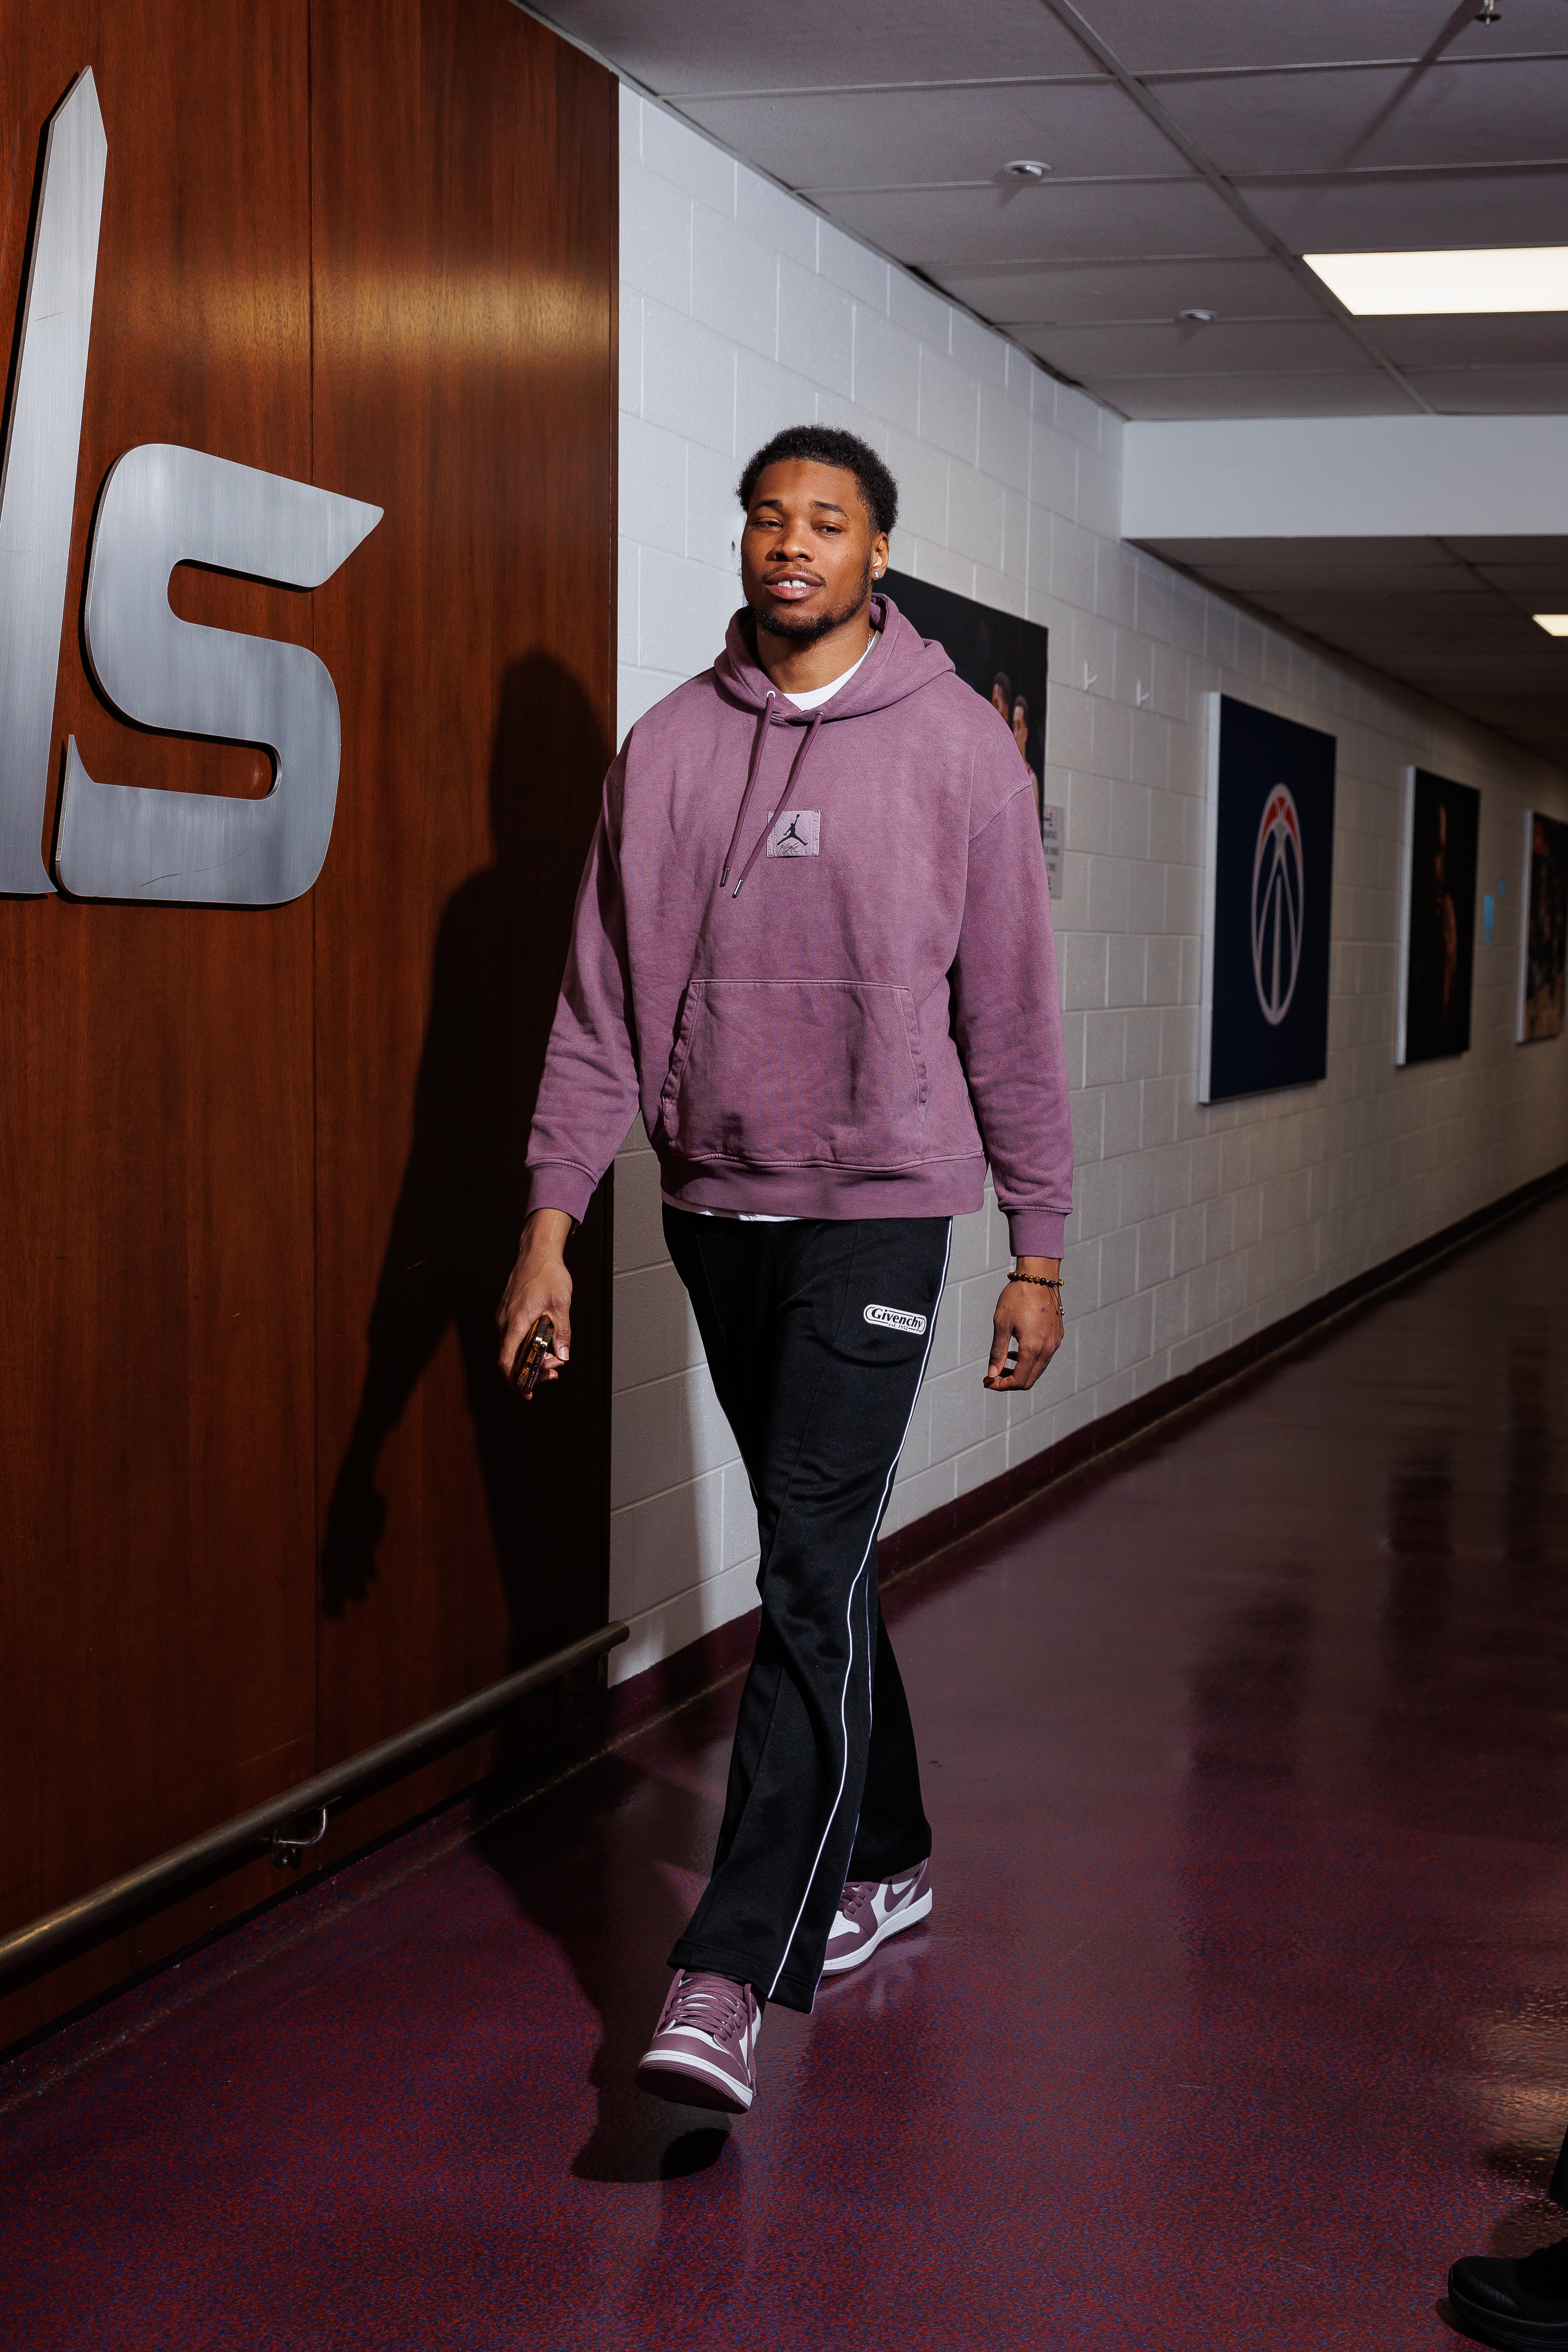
(895, 1318)
(798, 834)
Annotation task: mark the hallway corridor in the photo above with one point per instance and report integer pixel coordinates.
(1243, 2009)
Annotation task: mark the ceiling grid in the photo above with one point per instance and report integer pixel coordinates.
(1193, 155)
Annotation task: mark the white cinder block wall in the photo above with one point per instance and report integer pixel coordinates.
(742, 312)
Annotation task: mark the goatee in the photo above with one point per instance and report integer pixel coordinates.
(804, 632)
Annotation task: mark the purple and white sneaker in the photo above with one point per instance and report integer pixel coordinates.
(872, 1910)
(704, 2050)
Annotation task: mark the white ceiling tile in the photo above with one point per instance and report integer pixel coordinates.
(1491, 111)
(1366, 392)
(1494, 390)
(923, 136)
(1540, 586)
(1094, 292)
(1402, 611)
(1494, 339)
(1167, 348)
(708, 45)
(1072, 222)
(1487, 552)
(1282, 122)
(1397, 212)
(1540, 582)
(1499, 112)
(1311, 562)
(1152, 36)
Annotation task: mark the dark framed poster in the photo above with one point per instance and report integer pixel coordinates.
(1001, 657)
(1268, 873)
(1543, 928)
(1438, 917)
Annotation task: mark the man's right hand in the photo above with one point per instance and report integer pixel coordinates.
(540, 1284)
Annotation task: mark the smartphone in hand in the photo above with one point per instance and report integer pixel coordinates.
(530, 1359)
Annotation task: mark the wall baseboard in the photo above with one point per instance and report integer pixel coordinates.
(688, 1672)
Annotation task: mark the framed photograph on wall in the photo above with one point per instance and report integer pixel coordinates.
(1268, 873)
(1002, 658)
(1438, 917)
(1543, 927)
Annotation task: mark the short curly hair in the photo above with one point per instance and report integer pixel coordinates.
(830, 445)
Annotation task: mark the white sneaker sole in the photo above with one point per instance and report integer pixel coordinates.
(894, 1925)
(692, 2082)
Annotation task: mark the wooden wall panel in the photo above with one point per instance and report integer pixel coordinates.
(154, 1065)
(465, 245)
(262, 1498)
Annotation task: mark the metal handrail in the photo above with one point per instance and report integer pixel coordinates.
(316, 1794)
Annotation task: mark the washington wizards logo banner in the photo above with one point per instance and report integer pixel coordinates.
(1267, 902)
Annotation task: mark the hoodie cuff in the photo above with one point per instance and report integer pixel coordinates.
(1037, 1232)
(560, 1184)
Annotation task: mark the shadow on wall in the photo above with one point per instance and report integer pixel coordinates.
(608, 1895)
(615, 1898)
(498, 956)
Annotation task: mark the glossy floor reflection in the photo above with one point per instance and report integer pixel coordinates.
(1243, 2009)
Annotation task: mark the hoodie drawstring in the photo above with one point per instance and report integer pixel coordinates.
(797, 764)
(758, 740)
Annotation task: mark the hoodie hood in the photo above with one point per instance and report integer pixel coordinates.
(899, 663)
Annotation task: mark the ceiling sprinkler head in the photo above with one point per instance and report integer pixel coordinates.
(1026, 169)
(1201, 318)
(1488, 13)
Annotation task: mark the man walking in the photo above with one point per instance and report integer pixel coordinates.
(831, 1023)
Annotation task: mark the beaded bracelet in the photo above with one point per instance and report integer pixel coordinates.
(1045, 1281)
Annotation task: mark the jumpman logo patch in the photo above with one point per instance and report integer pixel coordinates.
(798, 834)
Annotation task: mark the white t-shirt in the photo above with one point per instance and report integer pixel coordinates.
(812, 699)
(815, 695)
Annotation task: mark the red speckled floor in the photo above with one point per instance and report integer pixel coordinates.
(1243, 2011)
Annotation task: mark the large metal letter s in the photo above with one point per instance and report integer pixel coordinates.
(163, 506)
(37, 486)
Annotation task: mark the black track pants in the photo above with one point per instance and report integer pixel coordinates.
(817, 1335)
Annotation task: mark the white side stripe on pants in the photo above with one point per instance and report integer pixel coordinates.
(849, 1624)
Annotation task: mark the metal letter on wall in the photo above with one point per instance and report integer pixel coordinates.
(163, 506)
(37, 485)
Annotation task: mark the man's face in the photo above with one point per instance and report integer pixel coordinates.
(808, 553)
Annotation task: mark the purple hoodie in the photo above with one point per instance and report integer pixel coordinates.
(847, 1011)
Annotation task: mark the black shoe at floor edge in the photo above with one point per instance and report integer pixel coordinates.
(1515, 2304)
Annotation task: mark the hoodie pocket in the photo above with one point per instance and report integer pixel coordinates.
(781, 1073)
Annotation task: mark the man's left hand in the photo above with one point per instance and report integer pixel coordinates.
(1030, 1315)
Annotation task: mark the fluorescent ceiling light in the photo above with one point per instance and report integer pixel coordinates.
(1555, 623)
(1490, 278)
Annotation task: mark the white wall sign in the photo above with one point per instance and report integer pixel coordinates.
(160, 506)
